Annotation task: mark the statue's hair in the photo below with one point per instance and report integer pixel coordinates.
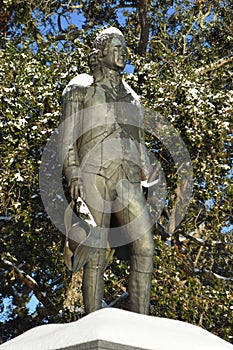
(101, 42)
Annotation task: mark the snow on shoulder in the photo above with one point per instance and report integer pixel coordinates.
(120, 327)
(83, 80)
(79, 81)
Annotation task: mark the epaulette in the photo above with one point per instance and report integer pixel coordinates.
(77, 87)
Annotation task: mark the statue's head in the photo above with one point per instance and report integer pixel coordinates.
(109, 50)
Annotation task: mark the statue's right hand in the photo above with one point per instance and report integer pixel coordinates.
(76, 189)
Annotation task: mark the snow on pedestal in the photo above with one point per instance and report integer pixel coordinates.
(108, 328)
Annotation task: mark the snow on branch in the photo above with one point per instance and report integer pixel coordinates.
(199, 240)
(30, 282)
(215, 65)
(195, 236)
(213, 275)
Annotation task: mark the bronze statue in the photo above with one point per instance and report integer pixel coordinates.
(106, 164)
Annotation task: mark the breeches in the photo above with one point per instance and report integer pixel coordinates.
(126, 200)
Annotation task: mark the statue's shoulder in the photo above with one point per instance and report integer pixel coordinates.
(78, 86)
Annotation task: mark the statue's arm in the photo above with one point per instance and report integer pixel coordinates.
(72, 109)
(69, 128)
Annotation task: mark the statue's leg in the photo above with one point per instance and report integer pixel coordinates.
(135, 217)
(141, 265)
(93, 282)
(96, 193)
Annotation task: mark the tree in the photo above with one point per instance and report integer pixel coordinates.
(182, 61)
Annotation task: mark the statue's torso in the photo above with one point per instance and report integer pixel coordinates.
(110, 131)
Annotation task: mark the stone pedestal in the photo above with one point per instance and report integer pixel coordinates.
(100, 345)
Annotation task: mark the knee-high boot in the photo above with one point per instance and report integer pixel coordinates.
(140, 283)
(93, 281)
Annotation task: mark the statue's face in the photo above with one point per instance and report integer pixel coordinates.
(115, 54)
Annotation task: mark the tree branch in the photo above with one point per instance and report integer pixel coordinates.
(144, 24)
(203, 16)
(198, 256)
(199, 240)
(187, 34)
(72, 7)
(59, 23)
(30, 282)
(213, 275)
(215, 65)
(71, 36)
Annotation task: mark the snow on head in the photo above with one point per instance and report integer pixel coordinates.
(110, 31)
